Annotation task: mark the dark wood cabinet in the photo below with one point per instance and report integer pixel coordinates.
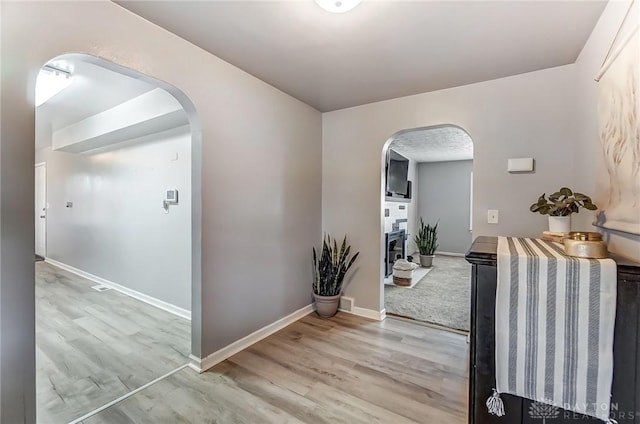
(626, 346)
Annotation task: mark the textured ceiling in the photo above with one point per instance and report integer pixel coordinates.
(94, 89)
(434, 144)
(381, 49)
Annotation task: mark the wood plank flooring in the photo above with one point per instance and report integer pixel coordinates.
(344, 370)
(93, 347)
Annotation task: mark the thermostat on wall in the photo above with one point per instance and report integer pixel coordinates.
(170, 199)
(172, 196)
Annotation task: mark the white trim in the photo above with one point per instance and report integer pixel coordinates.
(612, 56)
(125, 396)
(193, 364)
(471, 203)
(46, 208)
(201, 365)
(369, 313)
(459, 255)
(175, 310)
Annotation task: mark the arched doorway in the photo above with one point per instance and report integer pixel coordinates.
(427, 178)
(126, 157)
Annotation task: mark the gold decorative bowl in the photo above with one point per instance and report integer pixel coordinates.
(583, 235)
(585, 245)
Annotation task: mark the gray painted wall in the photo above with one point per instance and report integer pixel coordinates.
(17, 247)
(444, 196)
(528, 115)
(258, 148)
(117, 229)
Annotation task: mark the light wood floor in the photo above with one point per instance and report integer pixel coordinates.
(93, 347)
(344, 370)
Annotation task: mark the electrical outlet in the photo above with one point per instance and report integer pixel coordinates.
(492, 216)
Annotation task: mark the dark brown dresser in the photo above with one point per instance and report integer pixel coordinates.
(625, 406)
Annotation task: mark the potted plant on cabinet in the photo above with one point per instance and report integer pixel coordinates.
(559, 206)
(427, 242)
(329, 269)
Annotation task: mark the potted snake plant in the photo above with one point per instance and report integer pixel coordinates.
(329, 270)
(427, 242)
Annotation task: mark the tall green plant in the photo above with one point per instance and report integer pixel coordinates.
(427, 238)
(331, 266)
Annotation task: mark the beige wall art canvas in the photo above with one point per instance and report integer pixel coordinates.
(619, 126)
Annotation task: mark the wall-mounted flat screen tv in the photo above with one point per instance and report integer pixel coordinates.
(397, 172)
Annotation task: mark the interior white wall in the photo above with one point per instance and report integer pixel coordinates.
(413, 217)
(590, 174)
(395, 213)
(444, 198)
(117, 228)
(260, 158)
(528, 115)
(404, 210)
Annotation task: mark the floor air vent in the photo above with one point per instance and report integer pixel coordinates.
(101, 288)
(346, 303)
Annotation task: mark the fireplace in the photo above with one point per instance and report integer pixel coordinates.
(394, 242)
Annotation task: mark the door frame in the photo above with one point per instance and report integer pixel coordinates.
(42, 165)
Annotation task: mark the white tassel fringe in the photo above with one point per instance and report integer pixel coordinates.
(495, 404)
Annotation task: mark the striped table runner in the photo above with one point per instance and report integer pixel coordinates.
(555, 318)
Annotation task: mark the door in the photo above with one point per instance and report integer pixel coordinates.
(41, 209)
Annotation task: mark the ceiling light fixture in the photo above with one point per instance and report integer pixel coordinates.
(51, 81)
(337, 6)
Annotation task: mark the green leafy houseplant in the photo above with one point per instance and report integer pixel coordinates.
(563, 202)
(427, 239)
(330, 267)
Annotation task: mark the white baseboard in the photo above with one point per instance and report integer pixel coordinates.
(369, 313)
(348, 305)
(183, 313)
(460, 255)
(201, 365)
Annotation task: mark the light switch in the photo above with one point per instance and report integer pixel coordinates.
(492, 216)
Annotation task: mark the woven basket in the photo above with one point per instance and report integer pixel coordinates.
(399, 281)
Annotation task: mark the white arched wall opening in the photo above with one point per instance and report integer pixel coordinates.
(196, 174)
(268, 209)
(385, 150)
(526, 115)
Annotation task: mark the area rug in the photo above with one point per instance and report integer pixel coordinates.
(442, 297)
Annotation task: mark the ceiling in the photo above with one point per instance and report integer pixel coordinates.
(94, 89)
(381, 49)
(436, 144)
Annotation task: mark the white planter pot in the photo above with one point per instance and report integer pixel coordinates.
(327, 306)
(560, 224)
(426, 260)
